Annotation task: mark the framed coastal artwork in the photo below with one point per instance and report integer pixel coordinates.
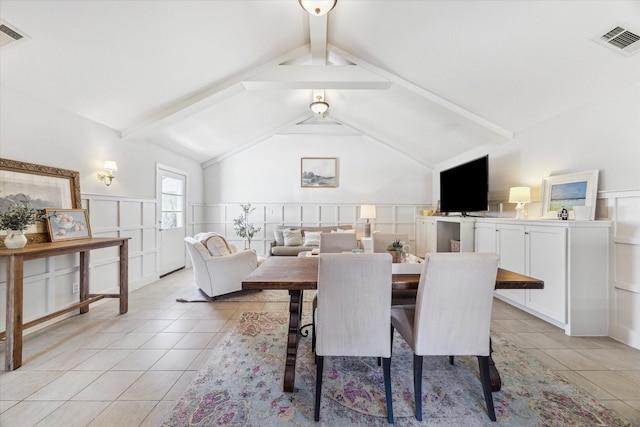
(319, 172)
(569, 191)
(42, 186)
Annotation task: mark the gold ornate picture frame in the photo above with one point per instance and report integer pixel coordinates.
(43, 186)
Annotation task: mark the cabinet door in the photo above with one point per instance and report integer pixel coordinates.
(511, 248)
(431, 231)
(421, 237)
(486, 240)
(546, 259)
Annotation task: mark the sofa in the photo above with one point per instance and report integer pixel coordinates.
(291, 240)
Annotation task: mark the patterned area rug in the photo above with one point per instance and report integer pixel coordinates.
(268, 295)
(242, 386)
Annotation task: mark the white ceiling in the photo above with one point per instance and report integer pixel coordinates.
(209, 78)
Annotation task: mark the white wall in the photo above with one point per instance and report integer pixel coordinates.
(39, 133)
(603, 135)
(369, 173)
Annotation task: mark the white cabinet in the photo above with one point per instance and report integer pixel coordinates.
(508, 240)
(367, 244)
(571, 257)
(434, 234)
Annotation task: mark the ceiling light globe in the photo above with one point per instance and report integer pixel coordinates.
(319, 107)
(318, 7)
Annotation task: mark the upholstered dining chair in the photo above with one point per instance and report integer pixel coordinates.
(332, 243)
(337, 242)
(382, 240)
(380, 243)
(353, 314)
(452, 315)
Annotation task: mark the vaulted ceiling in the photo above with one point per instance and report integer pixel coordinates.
(432, 79)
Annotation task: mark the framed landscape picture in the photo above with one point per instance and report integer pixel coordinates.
(67, 224)
(42, 186)
(569, 191)
(318, 172)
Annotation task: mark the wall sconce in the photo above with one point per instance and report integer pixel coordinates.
(106, 174)
(520, 195)
(368, 212)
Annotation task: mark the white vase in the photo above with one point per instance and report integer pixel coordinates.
(15, 239)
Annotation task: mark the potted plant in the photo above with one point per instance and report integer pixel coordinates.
(243, 227)
(16, 219)
(395, 249)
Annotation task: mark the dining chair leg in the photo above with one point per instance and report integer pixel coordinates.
(386, 367)
(485, 379)
(319, 367)
(417, 385)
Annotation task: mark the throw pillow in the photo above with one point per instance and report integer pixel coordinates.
(342, 230)
(217, 246)
(312, 238)
(277, 236)
(292, 237)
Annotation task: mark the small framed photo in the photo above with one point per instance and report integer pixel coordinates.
(318, 172)
(570, 191)
(67, 224)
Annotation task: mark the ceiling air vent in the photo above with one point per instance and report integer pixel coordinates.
(8, 34)
(622, 39)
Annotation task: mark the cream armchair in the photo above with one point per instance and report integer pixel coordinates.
(219, 274)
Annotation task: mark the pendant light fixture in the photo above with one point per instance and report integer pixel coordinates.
(318, 7)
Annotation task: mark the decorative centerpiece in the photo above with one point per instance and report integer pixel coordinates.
(396, 250)
(15, 220)
(243, 227)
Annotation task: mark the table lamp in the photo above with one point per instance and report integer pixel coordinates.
(368, 212)
(520, 195)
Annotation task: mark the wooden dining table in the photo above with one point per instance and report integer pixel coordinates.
(298, 274)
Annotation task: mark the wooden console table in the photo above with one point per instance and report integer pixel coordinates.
(15, 259)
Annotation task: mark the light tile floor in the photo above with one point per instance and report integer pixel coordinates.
(106, 369)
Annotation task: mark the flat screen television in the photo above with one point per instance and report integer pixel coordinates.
(465, 188)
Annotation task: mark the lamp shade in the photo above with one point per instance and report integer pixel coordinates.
(368, 211)
(110, 165)
(519, 194)
(318, 7)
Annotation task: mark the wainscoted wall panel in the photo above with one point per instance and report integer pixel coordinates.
(35, 288)
(124, 217)
(623, 208)
(48, 283)
(219, 218)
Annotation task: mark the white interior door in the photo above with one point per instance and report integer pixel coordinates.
(172, 197)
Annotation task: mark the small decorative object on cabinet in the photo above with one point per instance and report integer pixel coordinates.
(563, 214)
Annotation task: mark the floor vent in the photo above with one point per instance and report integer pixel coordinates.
(8, 34)
(622, 39)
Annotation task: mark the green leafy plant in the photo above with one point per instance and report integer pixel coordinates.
(396, 245)
(20, 216)
(243, 227)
